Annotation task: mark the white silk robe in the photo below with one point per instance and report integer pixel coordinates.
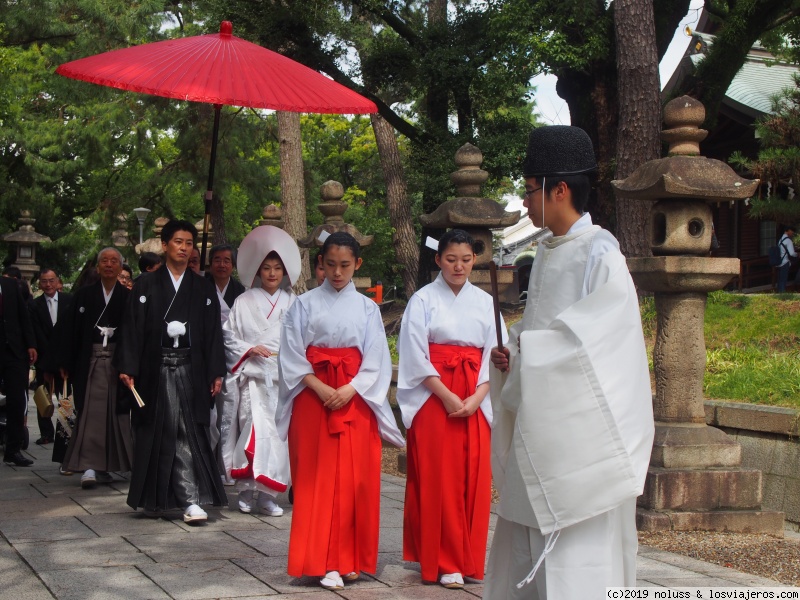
(435, 315)
(326, 318)
(252, 386)
(573, 425)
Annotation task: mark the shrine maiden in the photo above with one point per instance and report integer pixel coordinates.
(252, 451)
(446, 337)
(335, 372)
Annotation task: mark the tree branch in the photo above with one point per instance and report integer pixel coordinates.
(397, 24)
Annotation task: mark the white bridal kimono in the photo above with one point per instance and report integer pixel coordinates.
(435, 315)
(252, 384)
(573, 426)
(326, 318)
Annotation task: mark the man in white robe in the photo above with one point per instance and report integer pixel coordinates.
(573, 424)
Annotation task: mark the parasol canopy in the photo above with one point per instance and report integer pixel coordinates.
(218, 69)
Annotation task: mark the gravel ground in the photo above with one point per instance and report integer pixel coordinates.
(761, 555)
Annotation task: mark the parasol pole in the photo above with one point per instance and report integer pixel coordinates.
(210, 186)
(496, 303)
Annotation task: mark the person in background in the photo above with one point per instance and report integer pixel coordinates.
(149, 262)
(319, 270)
(17, 354)
(101, 442)
(223, 261)
(13, 272)
(126, 276)
(786, 245)
(49, 313)
(194, 261)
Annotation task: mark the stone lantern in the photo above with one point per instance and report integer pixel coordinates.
(272, 215)
(477, 216)
(153, 244)
(25, 240)
(695, 481)
(333, 208)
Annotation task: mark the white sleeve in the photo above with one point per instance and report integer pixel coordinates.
(375, 375)
(235, 345)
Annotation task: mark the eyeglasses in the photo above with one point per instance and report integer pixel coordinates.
(531, 192)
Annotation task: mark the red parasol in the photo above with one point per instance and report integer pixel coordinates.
(218, 69)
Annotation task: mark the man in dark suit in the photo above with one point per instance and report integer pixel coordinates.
(223, 261)
(17, 353)
(48, 313)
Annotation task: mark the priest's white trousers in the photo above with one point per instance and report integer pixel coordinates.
(588, 557)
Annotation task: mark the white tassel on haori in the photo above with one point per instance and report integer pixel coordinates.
(175, 329)
(106, 332)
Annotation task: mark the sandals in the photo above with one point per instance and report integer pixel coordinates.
(332, 581)
(452, 581)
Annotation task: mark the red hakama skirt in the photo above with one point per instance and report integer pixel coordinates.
(335, 459)
(448, 491)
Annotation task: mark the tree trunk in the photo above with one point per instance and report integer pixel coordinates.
(293, 197)
(405, 245)
(593, 106)
(436, 99)
(218, 221)
(638, 132)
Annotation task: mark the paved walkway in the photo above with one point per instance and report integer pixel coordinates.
(59, 541)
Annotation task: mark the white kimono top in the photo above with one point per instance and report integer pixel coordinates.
(326, 318)
(435, 315)
(254, 320)
(573, 426)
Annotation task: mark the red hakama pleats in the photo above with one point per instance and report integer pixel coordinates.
(335, 459)
(448, 490)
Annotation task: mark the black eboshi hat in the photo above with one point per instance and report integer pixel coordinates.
(558, 150)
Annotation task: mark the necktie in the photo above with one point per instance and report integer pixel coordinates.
(53, 310)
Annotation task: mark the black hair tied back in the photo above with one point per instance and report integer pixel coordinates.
(343, 239)
(455, 236)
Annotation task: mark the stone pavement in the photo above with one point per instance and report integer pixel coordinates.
(59, 541)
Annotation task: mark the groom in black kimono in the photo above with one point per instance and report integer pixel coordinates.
(172, 353)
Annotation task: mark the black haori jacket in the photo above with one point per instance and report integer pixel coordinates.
(139, 352)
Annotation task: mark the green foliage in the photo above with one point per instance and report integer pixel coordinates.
(778, 161)
(752, 348)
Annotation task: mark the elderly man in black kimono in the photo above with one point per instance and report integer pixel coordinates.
(172, 353)
(101, 441)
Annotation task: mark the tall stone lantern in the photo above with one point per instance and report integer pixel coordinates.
(477, 216)
(333, 208)
(695, 481)
(25, 240)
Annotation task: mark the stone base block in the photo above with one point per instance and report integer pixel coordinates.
(705, 489)
(693, 447)
(769, 522)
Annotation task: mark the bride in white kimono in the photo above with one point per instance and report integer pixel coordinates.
(252, 452)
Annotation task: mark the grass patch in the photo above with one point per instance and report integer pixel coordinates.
(753, 348)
